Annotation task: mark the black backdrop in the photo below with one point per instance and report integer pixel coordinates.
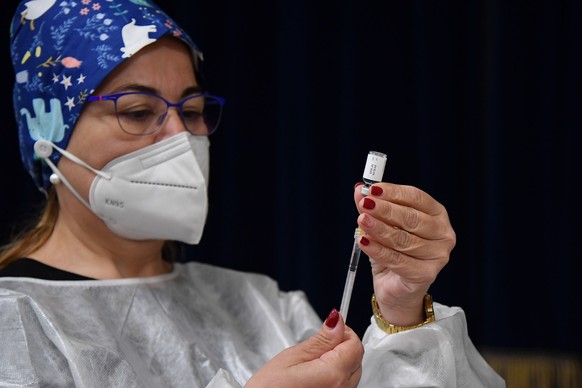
(476, 102)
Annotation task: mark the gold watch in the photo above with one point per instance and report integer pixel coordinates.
(390, 328)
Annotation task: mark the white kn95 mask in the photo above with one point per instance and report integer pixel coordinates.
(157, 192)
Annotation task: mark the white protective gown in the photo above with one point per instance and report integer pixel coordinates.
(201, 326)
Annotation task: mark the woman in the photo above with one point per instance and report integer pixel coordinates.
(114, 121)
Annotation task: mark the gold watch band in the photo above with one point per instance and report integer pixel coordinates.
(390, 328)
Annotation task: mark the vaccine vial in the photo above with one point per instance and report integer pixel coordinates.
(373, 171)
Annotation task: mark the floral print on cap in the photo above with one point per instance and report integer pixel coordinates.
(61, 51)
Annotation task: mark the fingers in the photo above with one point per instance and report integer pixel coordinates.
(401, 243)
(412, 270)
(409, 196)
(330, 345)
(406, 207)
(407, 220)
(340, 366)
(332, 357)
(408, 239)
(346, 356)
(328, 337)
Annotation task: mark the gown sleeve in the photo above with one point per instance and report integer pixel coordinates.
(223, 379)
(439, 354)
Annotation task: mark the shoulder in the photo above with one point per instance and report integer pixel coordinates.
(237, 284)
(218, 275)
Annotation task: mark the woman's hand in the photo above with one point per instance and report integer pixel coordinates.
(331, 358)
(408, 239)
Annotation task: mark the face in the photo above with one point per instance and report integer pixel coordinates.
(165, 68)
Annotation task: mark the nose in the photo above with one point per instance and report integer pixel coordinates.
(172, 124)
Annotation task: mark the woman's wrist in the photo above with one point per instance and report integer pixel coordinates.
(394, 320)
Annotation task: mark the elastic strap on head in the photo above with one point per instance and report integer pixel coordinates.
(41, 147)
(67, 183)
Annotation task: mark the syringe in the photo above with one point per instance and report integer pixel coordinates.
(373, 173)
(354, 259)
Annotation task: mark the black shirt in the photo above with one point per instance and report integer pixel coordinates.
(30, 268)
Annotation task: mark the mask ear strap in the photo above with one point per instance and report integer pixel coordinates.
(78, 161)
(66, 182)
(44, 148)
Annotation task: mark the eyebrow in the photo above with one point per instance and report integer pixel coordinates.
(143, 88)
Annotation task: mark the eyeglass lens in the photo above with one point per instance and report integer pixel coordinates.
(142, 114)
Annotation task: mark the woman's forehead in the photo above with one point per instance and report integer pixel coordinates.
(163, 65)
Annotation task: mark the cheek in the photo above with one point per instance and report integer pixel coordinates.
(79, 177)
(97, 141)
(96, 152)
(89, 139)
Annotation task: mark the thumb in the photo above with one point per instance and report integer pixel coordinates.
(330, 335)
(330, 357)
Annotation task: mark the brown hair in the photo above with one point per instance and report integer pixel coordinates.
(32, 238)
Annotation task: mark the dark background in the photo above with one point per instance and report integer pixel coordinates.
(475, 102)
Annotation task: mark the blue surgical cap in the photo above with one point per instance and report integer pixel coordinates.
(61, 51)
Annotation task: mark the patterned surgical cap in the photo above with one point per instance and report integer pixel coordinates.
(61, 51)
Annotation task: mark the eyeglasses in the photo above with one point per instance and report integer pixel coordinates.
(143, 113)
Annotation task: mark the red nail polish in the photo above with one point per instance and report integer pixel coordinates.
(358, 184)
(364, 241)
(369, 204)
(332, 319)
(376, 190)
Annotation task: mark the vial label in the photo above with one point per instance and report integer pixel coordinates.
(375, 165)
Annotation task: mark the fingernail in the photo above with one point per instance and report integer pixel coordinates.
(358, 184)
(367, 220)
(376, 190)
(364, 241)
(332, 319)
(369, 204)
